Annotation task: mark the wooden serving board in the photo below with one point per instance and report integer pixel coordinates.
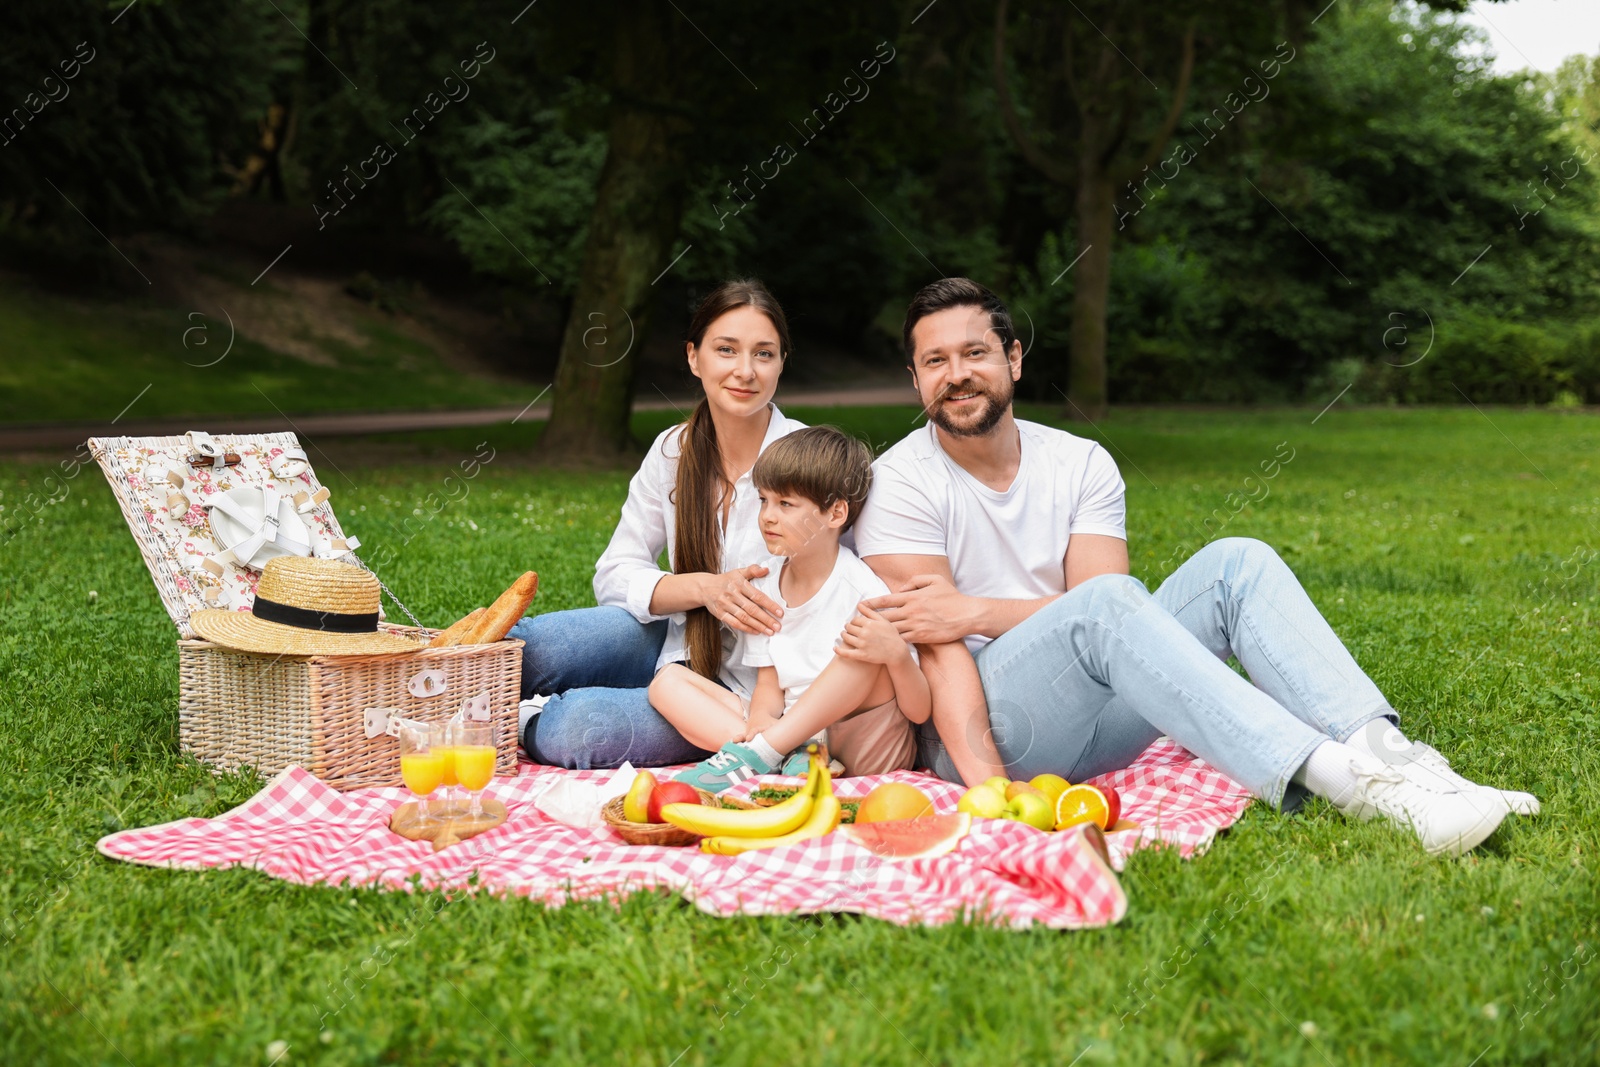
(455, 827)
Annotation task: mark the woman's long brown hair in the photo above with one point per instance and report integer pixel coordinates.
(702, 488)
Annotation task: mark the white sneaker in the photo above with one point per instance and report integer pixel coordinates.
(526, 710)
(1445, 818)
(1431, 759)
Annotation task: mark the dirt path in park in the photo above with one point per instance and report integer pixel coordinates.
(45, 436)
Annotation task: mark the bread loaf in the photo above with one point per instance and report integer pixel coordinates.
(452, 634)
(504, 613)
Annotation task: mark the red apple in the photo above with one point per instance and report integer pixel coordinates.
(670, 793)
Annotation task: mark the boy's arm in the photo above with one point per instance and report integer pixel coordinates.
(870, 638)
(766, 702)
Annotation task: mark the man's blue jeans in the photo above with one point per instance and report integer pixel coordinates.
(1089, 681)
(596, 665)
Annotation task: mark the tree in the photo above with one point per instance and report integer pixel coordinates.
(1089, 71)
(684, 115)
(637, 210)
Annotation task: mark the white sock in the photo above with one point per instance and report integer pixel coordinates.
(1380, 739)
(1332, 769)
(765, 750)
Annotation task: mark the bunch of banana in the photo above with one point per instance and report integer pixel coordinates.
(811, 812)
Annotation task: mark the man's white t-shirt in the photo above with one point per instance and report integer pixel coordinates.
(803, 645)
(1009, 545)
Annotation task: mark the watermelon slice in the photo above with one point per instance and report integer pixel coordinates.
(910, 839)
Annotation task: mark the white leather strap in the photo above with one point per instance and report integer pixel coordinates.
(305, 503)
(203, 444)
(290, 463)
(265, 533)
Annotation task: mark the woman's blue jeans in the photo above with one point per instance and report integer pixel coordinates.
(1089, 681)
(596, 664)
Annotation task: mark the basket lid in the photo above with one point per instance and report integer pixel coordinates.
(207, 511)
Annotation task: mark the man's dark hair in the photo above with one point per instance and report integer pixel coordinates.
(958, 292)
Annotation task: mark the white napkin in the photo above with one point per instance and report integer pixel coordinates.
(577, 803)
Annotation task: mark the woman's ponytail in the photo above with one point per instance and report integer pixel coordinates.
(700, 494)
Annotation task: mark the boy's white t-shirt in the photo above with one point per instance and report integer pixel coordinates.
(803, 645)
(1010, 545)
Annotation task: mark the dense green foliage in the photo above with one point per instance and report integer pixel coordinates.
(1379, 185)
(1461, 578)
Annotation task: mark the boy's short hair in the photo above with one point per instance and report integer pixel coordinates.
(821, 463)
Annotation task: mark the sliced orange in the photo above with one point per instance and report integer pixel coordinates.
(1081, 804)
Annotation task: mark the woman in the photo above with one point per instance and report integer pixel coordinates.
(692, 496)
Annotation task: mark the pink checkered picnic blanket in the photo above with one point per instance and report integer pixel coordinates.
(300, 830)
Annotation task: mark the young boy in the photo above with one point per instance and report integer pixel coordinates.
(835, 664)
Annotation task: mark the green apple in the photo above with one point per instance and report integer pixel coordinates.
(1032, 808)
(983, 802)
(998, 784)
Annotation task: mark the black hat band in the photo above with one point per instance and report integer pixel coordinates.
(330, 622)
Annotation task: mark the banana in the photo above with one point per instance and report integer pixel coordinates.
(782, 818)
(824, 820)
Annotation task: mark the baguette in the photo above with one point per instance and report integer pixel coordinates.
(504, 613)
(452, 634)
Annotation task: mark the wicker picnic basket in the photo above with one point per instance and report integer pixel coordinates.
(238, 709)
(650, 833)
(241, 709)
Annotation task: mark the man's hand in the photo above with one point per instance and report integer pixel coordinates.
(734, 601)
(870, 638)
(928, 610)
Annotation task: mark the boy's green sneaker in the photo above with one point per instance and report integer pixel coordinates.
(735, 763)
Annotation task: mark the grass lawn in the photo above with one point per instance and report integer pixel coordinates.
(1455, 555)
(64, 362)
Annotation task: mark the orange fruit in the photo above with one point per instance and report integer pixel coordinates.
(1084, 803)
(892, 801)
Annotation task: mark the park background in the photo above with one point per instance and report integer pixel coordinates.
(1359, 235)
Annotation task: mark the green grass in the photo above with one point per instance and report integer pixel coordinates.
(64, 361)
(1460, 576)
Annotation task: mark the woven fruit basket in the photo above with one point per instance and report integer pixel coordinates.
(238, 709)
(651, 833)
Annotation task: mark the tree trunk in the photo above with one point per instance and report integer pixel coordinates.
(637, 211)
(1091, 290)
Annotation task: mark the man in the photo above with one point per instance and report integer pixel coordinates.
(1005, 543)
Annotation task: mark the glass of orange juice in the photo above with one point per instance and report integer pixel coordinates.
(474, 751)
(446, 747)
(422, 763)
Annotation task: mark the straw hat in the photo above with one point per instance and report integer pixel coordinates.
(306, 607)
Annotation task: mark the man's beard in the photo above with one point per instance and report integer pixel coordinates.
(988, 418)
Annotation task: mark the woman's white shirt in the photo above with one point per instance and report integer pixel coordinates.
(627, 572)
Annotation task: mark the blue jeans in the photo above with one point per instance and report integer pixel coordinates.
(596, 664)
(1085, 684)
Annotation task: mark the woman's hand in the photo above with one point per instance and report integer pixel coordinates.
(870, 638)
(734, 601)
